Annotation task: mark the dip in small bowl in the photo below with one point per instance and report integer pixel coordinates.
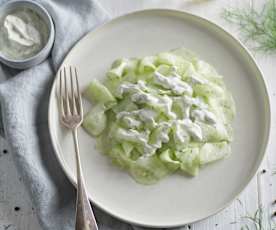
(26, 33)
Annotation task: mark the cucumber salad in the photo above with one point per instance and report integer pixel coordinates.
(161, 114)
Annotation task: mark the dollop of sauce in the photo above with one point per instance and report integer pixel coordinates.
(23, 33)
(184, 129)
(144, 98)
(134, 136)
(131, 88)
(173, 82)
(189, 101)
(131, 122)
(145, 115)
(204, 115)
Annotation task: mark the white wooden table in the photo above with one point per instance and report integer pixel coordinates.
(16, 210)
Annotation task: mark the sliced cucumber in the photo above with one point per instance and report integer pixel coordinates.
(211, 152)
(167, 159)
(148, 170)
(160, 114)
(95, 121)
(189, 158)
(97, 92)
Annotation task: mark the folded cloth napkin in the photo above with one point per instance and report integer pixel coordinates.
(24, 100)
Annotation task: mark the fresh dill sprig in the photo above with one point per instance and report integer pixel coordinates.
(257, 27)
(256, 219)
(253, 221)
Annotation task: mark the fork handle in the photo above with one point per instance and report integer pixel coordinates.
(85, 219)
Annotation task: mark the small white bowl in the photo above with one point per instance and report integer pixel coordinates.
(44, 52)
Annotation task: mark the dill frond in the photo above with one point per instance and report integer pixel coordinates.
(258, 28)
(254, 221)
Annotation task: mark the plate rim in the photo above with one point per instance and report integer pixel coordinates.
(210, 24)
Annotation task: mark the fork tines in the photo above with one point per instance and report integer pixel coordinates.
(69, 92)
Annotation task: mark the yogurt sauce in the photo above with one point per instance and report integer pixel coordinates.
(134, 136)
(145, 115)
(173, 83)
(23, 33)
(194, 109)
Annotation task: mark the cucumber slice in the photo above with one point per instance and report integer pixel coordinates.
(148, 170)
(209, 90)
(147, 64)
(171, 59)
(189, 158)
(97, 92)
(167, 159)
(121, 67)
(95, 121)
(214, 133)
(119, 157)
(124, 105)
(127, 147)
(211, 152)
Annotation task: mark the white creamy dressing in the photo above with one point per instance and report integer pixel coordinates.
(132, 135)
(186, 128)
(23, 33)
(20, 32)
(190, 101)
(140, 97)
(193, 108)
(166, 103)
(181, 136)
(145, 115)
(128, 88)
(173, 82)
(201, 112)
(204, 115)
(192, 128)
(144, 98)
(131, 122)
(132, 88)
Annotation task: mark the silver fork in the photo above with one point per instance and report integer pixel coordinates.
(71, 116)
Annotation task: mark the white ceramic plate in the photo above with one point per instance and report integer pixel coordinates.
(176, 200)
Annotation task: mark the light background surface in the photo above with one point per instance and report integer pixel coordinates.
(12, 191)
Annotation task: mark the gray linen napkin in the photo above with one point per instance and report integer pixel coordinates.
(24, 100)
